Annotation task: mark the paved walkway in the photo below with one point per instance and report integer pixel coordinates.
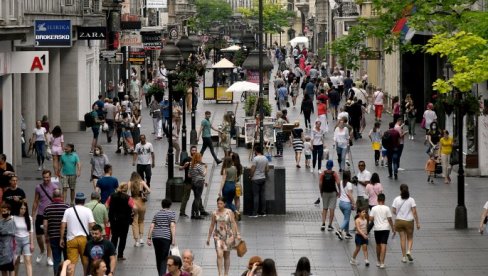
(439, 249)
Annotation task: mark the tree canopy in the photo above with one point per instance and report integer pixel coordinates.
(208, 13)
(275, 16)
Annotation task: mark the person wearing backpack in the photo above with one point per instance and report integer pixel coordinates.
(391, 142)
(328, 185)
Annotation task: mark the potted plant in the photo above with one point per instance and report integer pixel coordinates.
(249, 106)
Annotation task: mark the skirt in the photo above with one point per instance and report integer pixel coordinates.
(297, 144)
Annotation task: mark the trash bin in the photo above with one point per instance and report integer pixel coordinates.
(275, 191)
(175, 187)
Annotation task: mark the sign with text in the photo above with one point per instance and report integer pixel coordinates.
(156, 4)
(137, 56)
(131, 39)
(92, 33)
(151, 40)
(26, 62)
(52, 33)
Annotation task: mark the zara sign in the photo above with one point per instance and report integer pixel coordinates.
(92, 33)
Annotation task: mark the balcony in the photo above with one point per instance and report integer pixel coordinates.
(302, 5)
(185, 9)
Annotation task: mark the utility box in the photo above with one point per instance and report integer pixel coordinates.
(175, 188)
(275, 191)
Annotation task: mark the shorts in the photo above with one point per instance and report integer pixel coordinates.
(329, 200)
(308, 156)
(22, 246)
(96, 131)
(404, 226)
(360, 240)
(383, 152)
(69, 181)
(39, 225)
(56, 151)
(76, 248)
(381, 236)
(7, 267)
(94, 177)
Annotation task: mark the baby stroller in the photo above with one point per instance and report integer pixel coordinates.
(438, 166)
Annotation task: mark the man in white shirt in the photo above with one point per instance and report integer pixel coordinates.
(78, 223)
(144, 155)
(364, 177)
(381, 216)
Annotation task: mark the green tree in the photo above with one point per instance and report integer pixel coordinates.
(275, 16)
(208, 13)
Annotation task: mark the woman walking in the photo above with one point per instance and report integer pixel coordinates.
(411, 116)
(155, 112)
(237, 202)
(346, 204)
(136, 122)
(138, 191)
(39, 139)
(318, 137)
(162, 233)
(405, 210)
(222, 229)
(98, 162)
(307, 110)
(57, 147)
(446, 143)
(228, 183)
(197, 173)
(341, 139)
(225, 134)
(429, 116)
(375, 137)
(396, 108)
(433, 137)
(280, 137)
(295, 91)
(373, 189)
(24, 239)
(297, 134)
(322, 115)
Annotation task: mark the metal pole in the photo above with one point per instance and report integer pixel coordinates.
(193, 132)
(261, 98)
(170, 127)
(127, 72)
(461, 215)
(183, 128)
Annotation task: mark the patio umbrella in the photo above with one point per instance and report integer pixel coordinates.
(242, 86)
(298, 40)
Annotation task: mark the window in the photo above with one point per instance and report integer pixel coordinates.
(2, 8)
(68, 2)
(12, 9)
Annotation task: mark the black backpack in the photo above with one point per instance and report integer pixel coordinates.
(328, 182)
(387, 140)
(89, 120)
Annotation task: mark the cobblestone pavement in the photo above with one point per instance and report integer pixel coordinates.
(439, 249)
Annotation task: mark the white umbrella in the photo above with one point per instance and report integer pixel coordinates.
(242, 86)
(232, 48)
(299, 39)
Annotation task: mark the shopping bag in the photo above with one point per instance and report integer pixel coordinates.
(175, 251)
(241, 248)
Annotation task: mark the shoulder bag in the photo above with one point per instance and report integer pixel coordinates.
(88, 236)
(45, 192)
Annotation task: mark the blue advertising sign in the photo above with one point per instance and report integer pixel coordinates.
(52, 33)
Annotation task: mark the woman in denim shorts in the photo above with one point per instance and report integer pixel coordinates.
(24, 239)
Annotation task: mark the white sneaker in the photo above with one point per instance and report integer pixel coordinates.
(49, 261)
(40, 168)
(353, 261)
(311, 170)
(136, 244)
(21, 259)
(39, 258)
(320, 171)
(404, 259)
(141, 242)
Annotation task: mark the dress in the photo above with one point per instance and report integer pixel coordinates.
(297, 139)
(223, 235)
(225, 137)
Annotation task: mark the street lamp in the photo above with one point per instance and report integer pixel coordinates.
(187, 50)
(171, 57)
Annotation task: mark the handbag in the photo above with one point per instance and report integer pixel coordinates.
(88, 236)
(238, 189)
(454, 160)
(422, 124)
(241, 248)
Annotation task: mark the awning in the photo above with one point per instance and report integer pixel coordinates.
(223, 63)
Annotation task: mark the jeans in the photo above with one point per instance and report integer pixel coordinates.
(39, 147)
(229, 192)
(185, 198)
(197, 201)
(258, 190)
(57, 253)
(207, 143)
(161, 250)
(317, 153)
(346, 208)
(306, 115)
(341, 157)
(144, 170)
(392, 155)
(411, 125)
(119, 233)
(400, 151)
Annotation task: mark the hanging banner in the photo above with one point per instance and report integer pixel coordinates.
(156, 4)
(151, 40)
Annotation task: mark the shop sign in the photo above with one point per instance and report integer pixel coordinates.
(92, 33)
(151, 40)
(52, 33)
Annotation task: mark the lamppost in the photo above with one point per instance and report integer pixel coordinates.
(171, 57)
(186, 47)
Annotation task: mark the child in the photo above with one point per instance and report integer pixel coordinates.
(384, 157)
(430, 168)
(361, 237)
(307, 150)
(375, 137)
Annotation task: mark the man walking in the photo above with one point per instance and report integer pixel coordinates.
(100, 213)
(381, 216)
(282, 96)
(399, 127)
(258, 173)
(77, 222)
(100, 249)
(14, 196)
(110, 111)
(205, 128)
(42, 198)
(328, 186)
(364, 177)
(144, 155)
(391, 142)
(107, 184)
(53, 214)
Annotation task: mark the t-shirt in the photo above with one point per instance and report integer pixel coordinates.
(162, 224)
(310, 88)
(399, 128)
(74, 227)
(39, 134)
(196, 172)
(102, 249)
(446, 145)
(107, 186)
(381, 213)
(44, 200)
(100, 213)
(282, 93)
(206, 128)
(378, 98)
(8, 196)
(404, 208)
(21, 230)
(57, 141)
(429, 116)
(144, 153)
(5, 179)
(259, 162)
(54, 213)
(98, 163)
(68, 162)
(344, 191)
(307, 148)
(110, 110)
(182, 163)
(317, 136)
(363, 176)
(373, 191)
(341, 137)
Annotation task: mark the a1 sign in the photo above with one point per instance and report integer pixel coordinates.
(30, 62)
